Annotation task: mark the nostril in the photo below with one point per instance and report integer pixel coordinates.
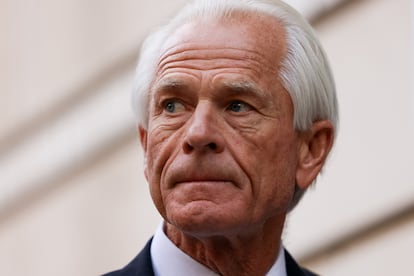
(212, 146)
(188, 148)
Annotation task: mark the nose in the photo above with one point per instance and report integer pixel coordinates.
(203, 133)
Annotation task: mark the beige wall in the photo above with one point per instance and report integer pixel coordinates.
(73, 200)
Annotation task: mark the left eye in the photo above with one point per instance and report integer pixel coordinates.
(238, 106)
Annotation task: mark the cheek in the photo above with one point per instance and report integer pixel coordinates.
(272, 169)
(159, 150)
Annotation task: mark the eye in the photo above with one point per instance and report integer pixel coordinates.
(173, 106)
(238, 106)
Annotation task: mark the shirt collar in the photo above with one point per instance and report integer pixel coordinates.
(167, 259)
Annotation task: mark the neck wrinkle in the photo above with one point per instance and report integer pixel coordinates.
(252, 254)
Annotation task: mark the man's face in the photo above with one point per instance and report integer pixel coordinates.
(221, 151)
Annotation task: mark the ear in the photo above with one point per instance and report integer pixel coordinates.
(316, 144)
(143, 137)
(143, 134)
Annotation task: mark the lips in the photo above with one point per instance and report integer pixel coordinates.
(211, 177)
(201, 173)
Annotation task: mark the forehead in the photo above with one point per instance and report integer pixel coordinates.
(247, 31)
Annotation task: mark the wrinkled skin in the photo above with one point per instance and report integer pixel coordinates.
(222, 156)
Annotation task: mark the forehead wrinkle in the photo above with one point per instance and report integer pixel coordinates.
(186, 50)
(244, 58)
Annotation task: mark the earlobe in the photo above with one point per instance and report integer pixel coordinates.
(313, 151)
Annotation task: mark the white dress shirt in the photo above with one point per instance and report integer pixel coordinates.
(169, 260)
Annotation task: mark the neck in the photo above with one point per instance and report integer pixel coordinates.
(253, 253)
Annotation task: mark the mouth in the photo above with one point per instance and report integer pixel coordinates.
(201, 182)
(205, 174)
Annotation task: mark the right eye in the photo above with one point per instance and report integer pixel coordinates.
(173, 106)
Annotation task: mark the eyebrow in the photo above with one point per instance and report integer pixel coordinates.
(244, 87)
(170, 84)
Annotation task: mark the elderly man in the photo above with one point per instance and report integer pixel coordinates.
(237, 111)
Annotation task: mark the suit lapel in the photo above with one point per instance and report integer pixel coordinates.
(141, 265)
(293, 269)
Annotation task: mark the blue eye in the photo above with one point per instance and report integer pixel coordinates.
(173, 106)
(170, 107)
(238, 106)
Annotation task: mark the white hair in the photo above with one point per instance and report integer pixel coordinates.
(304, 71)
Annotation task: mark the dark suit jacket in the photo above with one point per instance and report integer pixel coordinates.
(142, 266)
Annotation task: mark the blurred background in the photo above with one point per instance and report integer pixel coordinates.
(73, 199)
